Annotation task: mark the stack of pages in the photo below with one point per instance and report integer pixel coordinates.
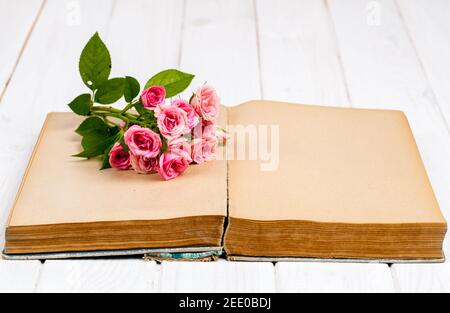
(338, 184)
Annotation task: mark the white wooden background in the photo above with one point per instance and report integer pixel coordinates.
(360, 53)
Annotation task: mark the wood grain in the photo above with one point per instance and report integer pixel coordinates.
(221, 276)
(219, 45)
(427, 23)
(53, 58)
(18, 18)
(99, 276)
(18, 276)
(331, 52)
(319, 277)
(301, 62)
(58, 82)
(383, 71)
(422, 278)
(299, 58)
(392, 78)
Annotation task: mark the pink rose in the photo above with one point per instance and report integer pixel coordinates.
(193, 118)
(204, 149)
(153, 96)
(206, 103)
(204, 129)
(143, 165)
(143, 142)
(172, 164)
(181, 144)
(172, 121)
(119, 158)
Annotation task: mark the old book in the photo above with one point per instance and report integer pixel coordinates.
(329, 183)
(66, 204)
(350, 184)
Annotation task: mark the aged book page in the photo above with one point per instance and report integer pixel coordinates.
(68, 205)
(60, 189)
(335, 165)
(349, 184)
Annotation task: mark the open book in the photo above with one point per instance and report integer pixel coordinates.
(298, 182)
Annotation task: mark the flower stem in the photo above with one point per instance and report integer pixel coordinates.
(128, 118)
(111, 110)
(128, 107)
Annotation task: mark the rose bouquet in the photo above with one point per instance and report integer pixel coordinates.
(156, 132)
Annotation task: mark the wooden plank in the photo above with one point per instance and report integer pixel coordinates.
(202, 28)
(47, 78)
(299, 59)
(58, 76)
(422, 278)
(154, 39)
(221, 276)
(383, 71)
(219, 46)
(300, 63)
(333, 277)
(427, 23)
(18, 276)
(39, 85)
(17, 19)
(99, 276)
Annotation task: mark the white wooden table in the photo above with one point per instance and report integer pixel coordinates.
(359, 53)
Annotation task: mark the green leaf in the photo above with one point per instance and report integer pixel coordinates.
(146, 115)
(81, 105)
(111, 91)
(96, 144)
(95, 63)
(174, 81)
(96, 141)
(92, 124)
(132, 88)
(143, 111)
(96, 150)
(90, 140)
(123, 144)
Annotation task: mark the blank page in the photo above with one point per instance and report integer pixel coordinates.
(59, 189)
(335, 165)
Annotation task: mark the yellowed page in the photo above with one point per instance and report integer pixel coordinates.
(60, 189)
(336, 165)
